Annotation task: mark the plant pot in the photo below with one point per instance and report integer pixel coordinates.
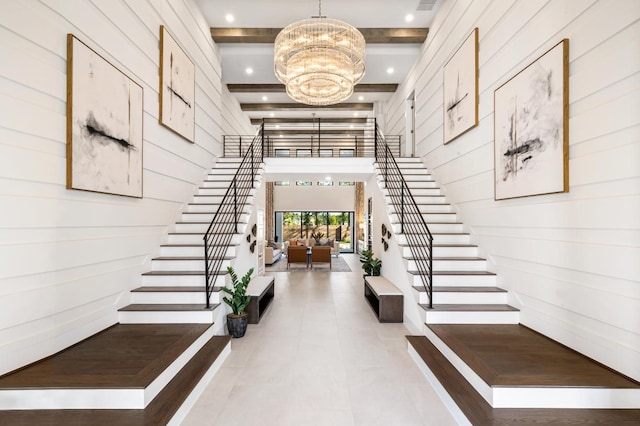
(237, 324)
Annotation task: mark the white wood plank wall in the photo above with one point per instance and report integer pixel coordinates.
(571, 261)
(68, 258)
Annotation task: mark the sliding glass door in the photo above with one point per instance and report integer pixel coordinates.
(334, 225)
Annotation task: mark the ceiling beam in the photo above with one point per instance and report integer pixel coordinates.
(371, 35)
(296, 106)
(299, 120)
(280, 88)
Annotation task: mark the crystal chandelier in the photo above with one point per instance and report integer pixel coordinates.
(319, 60)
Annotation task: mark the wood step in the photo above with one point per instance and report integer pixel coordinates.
(469, 406)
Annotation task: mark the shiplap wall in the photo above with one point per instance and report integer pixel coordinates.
(570, 261)
(68, 258)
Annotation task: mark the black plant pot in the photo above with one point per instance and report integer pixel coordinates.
(237, 324)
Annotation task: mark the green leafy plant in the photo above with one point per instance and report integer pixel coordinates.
(317, 235)
(371, 265)
(239, 299)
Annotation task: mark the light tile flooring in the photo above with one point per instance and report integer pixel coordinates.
(320, 357)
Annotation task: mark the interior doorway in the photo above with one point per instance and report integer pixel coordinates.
(409, 147)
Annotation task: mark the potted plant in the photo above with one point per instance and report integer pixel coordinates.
(238, 301)
(371, 265)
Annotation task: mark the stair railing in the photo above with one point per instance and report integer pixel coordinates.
(412, 223)
(224, 225)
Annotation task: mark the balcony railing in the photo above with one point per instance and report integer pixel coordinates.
(313, 138)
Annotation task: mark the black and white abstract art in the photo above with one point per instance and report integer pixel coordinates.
(177, 87)
(461, 89)
(531, 128)
(104, 125)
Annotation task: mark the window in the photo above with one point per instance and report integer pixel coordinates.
(324, 183)
(346, 183)
(281, 183)
(304, 183)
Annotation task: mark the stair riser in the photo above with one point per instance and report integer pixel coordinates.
(180, 280)
(418, 191)
(173, 297)
(201, 228)
(212, 208)
(165, 317)
(436, 228)
(191, 251)
(208, 217)
(459, 280)
(197, 239)
(465, 298)
(407, 171)
(216, 184)
(428, 217)
(212, 191)
(472, 317)
(441, 239)
(421, 185)
(215, 199)
(452, 265)
(423, 199)
(447, 251)
(183, 265)
(425, 208)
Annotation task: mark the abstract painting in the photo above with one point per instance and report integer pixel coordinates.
(177, 87)
(104, 125)
(531, 128)
(461, 89)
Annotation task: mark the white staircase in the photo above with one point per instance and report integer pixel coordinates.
(464, 292)
(174, 290)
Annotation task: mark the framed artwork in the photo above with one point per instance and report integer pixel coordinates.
(177, 87)
(461, 89)
(531, 129)
(104, 125)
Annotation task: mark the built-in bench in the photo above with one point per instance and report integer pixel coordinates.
(261, 290)
(385, 299)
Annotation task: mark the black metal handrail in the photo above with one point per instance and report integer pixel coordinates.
(225, 222)
(412, 223)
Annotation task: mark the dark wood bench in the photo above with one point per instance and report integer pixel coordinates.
(386, 300)
(261, 290)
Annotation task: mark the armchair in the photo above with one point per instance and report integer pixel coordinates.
(321, 254)
(296, 254)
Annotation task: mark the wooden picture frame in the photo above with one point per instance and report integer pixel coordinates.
(461, 89)
(531, 128)
(104, 125)
(177, 87)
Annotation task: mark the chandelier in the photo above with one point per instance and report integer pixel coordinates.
(319, 60)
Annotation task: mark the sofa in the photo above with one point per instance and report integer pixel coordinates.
(311, 242)
(272, 254)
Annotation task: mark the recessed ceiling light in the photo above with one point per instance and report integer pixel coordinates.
(271, 114)
(409, 18)
(277, 126)
(390, 70)
(249, 70)
(355, 114)
(327, 178)
(229, 17)
(264, 98)
(280, 135)
(361, 98)
(351, 127)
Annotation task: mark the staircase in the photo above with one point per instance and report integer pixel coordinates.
(174, 290)
(464, 292)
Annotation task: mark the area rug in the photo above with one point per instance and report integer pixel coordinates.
(338, 264)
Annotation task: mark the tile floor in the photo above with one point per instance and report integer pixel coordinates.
(320, 357)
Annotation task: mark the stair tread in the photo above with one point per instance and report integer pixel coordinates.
(192, 258)
(469, 307)
(168, 307)
(456, 273)
(446, 258)
(446, 245)
(178, 273)
(462, 289)
(172, 289)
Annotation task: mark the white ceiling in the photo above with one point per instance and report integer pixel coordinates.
(279, 13)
